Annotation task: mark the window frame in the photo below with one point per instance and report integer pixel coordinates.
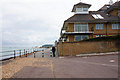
(115, 26)
(82, 9)
(99, 26)
(80, 29)
(79, 9)
(85, 9)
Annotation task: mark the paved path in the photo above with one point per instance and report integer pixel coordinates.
(72, 67)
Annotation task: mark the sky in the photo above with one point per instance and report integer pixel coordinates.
(36, 22)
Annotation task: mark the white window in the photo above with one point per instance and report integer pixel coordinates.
(85, 9)
(99, 35)
(81, 27)
(99, 26)
(115, 26)
(80, 37)
(78, 9)
(82, 10)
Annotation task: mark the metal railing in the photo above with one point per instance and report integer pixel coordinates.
(17, 53)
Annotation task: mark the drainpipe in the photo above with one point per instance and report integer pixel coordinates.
(106, 28)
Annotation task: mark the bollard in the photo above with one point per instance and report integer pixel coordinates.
(42, 54)
(14, 54)
(26, 54)
(50, 53)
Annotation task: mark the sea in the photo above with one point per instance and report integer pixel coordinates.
(7, 52)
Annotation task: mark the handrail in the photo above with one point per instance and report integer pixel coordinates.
(18, 53)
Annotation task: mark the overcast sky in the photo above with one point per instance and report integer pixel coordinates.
(36, 22)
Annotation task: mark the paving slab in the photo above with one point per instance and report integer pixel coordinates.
(34, 72)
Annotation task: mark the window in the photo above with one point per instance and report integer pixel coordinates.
(81, 27)
(97, 16)
(78, 9)
(82, 9)
(115, 26)
(119, 13)
(99, 35)
(85, 9)
(99, 26)
(80, 37)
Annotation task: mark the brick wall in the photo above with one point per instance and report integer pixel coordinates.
(74, 48)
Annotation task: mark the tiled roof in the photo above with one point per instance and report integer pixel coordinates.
(116, 5)
(80, 18)
(105, 7)
(82, 4)
(89, 18)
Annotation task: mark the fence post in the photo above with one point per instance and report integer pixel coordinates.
(50, 53)
(20, 53)
(42, 53)
(14, 54)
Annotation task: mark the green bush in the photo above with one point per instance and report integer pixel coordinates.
(105, 38)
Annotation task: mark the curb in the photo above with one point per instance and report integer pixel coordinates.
(97, 54)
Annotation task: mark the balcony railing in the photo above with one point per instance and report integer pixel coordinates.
(78, 32)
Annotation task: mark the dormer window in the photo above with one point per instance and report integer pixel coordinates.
(81, 8)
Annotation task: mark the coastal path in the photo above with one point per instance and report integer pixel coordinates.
(62, 67)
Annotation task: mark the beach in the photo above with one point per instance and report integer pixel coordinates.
(8, 70)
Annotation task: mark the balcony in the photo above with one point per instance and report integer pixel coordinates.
(75, 33)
